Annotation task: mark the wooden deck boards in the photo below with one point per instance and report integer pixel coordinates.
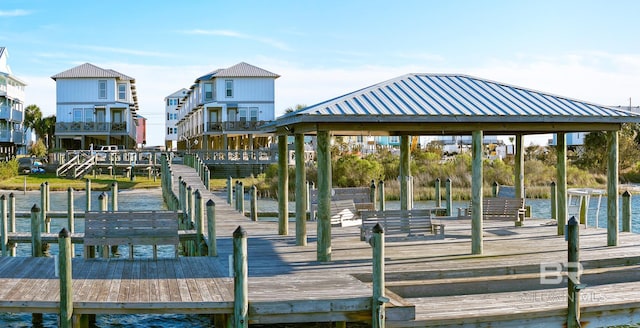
(287, 284)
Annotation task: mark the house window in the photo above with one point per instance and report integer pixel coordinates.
(122, 91)
(228, 84)
(253, 114)
(208, 91)
(102, 89)
(77, 114)
(88, 114)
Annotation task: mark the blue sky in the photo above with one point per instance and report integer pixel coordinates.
(584, 49)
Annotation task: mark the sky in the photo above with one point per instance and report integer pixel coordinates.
(587, 50)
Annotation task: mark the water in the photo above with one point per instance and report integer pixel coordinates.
(140, 200)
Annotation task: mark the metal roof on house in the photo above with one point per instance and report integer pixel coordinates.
(1, 51)
(454, 99)
(244, 70)
(87, 70)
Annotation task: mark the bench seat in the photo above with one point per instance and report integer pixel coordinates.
(410, 223)
(499, 208)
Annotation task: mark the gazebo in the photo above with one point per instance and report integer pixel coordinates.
(443, 104)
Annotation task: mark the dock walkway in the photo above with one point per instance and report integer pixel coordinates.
(432, 281)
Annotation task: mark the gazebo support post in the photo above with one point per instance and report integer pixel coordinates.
(612, 189)
(561, 172)
(476, 192)
(405, 172)
(301, 192)
(324, 197)
(283, 185)
(519, 167)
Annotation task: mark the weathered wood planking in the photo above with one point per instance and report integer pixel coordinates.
(132, 228)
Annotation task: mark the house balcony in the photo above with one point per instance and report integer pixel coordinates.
(91, 128)
(7, 135)
(9, 114)
(235, 126)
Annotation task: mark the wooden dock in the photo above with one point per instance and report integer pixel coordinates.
(431, 281)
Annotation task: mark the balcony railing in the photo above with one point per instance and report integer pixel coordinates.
(91, 127)
(9, 114)
(234, 126)
(7, 135)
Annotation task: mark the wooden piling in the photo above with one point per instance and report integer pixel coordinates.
(211, 228)
(283, 185)
(476, 193)
(612, 188)
(438, 197)
(36, 238)
(573, 274)
(88, 194)
(302, 192)
(495, 188)
(240, 279)
(12, 222)
(48, 196)
(378, 300)
(241, 198)
(199, 221)
(554, 201)
(66, 281)
(70, 211)
(3, 225)
(372, 193)
(449, 200)
(381, 195)
(626, 211)
(229, 190)
(114, 196)
(253, 212)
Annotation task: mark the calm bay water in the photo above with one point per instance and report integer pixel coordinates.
(140, 200)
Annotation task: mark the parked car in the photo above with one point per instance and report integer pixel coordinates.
(28, 165)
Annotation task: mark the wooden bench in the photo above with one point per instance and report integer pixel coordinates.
(360, 196)
(131, 228)
(499, 208)
(410, 222)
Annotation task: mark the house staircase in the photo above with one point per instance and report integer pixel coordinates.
(77, 166)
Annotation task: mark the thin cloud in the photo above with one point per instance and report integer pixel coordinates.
(14, 13)
(125, 51)
(238, 35)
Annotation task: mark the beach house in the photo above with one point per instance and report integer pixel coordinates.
(94, 107)
(170, 108)
(225, 109)
(12, 97)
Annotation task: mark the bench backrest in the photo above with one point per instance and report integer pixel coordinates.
(356, 194)
(500, 206)
(416, 221)
(133, 228)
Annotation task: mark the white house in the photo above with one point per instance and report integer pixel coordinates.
(224, 109)
(12, 97)
(171, 104)
(95, 106)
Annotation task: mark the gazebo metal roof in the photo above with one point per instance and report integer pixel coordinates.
(453, 104)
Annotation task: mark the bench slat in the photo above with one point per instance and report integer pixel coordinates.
(133, 228)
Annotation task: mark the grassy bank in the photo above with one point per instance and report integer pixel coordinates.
(101, 182)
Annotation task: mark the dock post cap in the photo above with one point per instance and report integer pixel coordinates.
(239, 233)
(377, 228)
(573, 221)
(211, 203)
(3, 197)
(35, 208)
(64, 233)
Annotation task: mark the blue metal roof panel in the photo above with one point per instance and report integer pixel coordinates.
(446, 95)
